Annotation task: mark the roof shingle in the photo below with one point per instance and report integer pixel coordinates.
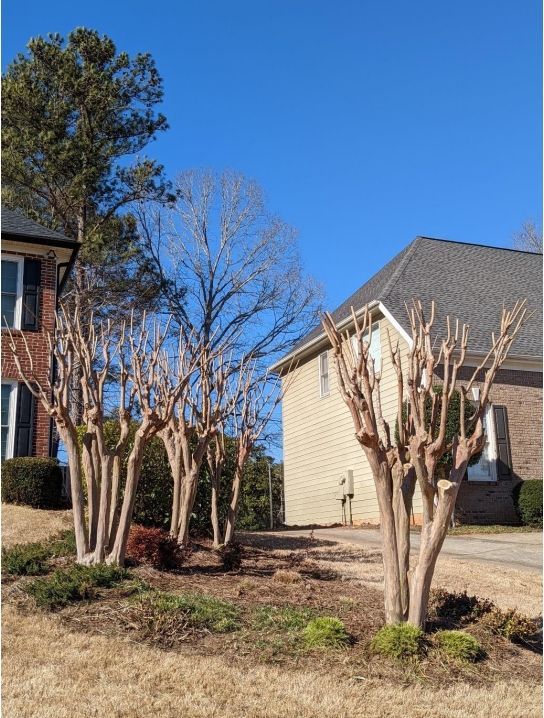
(16, 223)
(467, 281)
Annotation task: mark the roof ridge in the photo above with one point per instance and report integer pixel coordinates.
(398, 271)
(478, 244)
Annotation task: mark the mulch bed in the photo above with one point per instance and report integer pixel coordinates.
(320, 589)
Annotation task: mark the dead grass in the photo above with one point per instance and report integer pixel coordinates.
(50, 672)
(286, 576)
(86, 662)
(21, 523)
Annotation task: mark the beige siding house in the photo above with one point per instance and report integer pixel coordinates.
(327, 479)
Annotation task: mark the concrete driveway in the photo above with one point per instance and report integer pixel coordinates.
(515, 550)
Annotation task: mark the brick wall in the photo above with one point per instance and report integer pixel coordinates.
(37, 342)
(521, 393)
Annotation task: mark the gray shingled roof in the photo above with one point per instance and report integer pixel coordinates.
(467, 281)
(16, 223)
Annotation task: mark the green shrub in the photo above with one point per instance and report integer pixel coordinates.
(32, 559)
(284, 618)
(63, 544)
(326, 632)
(197, 610)
(458, 645)
(78, 583)
(510, 624)
(32, 481)
(401, 640)
(528, 502)
(28, 559)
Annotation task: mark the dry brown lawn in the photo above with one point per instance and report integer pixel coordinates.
(20, 523)
(56, 666)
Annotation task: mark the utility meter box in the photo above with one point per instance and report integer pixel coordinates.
(349, 483)
(340, 493)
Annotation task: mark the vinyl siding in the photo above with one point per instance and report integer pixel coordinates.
(320, 445)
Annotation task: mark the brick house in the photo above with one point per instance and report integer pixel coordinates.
(321, 454)
(36, 262)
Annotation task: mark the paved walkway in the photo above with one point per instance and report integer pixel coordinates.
(515, 550)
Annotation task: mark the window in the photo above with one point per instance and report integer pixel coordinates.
(375, 346)
(324, 374)
(9, 402)
(12, 290)
(486, 468)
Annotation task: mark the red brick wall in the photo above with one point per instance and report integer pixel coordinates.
(37, 342)
(521, 393)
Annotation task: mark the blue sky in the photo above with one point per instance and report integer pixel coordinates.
(367, 123)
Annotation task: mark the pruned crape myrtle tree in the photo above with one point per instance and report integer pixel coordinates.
(398, 463)
(253, 402)
(188, 432)
(145, 392)
(232, 278)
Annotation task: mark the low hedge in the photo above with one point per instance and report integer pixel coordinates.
(528, 502)
(32, 481)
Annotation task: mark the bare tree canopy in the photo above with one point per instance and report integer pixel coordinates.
(230, 269)
(529, 238)
(232, 278)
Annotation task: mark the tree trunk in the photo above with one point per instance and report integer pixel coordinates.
(187, 501)
(117, 554)
(384, 490)
(82, 543)
(102, 528)
(404, 486)
(232, 514)
(432, 538)
(214, 514)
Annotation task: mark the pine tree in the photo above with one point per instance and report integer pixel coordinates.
(76, 114)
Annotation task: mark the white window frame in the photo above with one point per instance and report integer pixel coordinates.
(321, 376)
(19, 296)
(492, 450)
(12, 416)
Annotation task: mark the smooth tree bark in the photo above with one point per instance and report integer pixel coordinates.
(398, 463)
(254, 401)
(138, 358)
(191, 427)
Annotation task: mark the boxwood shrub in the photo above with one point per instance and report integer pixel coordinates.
(528, 502)
(32, 481)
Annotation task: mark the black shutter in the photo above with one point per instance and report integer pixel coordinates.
(504, 459)
(24, 421)
(31, 294)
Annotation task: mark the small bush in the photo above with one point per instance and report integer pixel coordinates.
(63, 544)
(32, 559)
(528, 502)
(325, 632)
(231, 556)
(78, 583)
(32, 481)
(459, 645)
(28, 559)
(457, 607)
(286, 576)
(398, 641)
(154, 547)
(510, 624)
(284, 618)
